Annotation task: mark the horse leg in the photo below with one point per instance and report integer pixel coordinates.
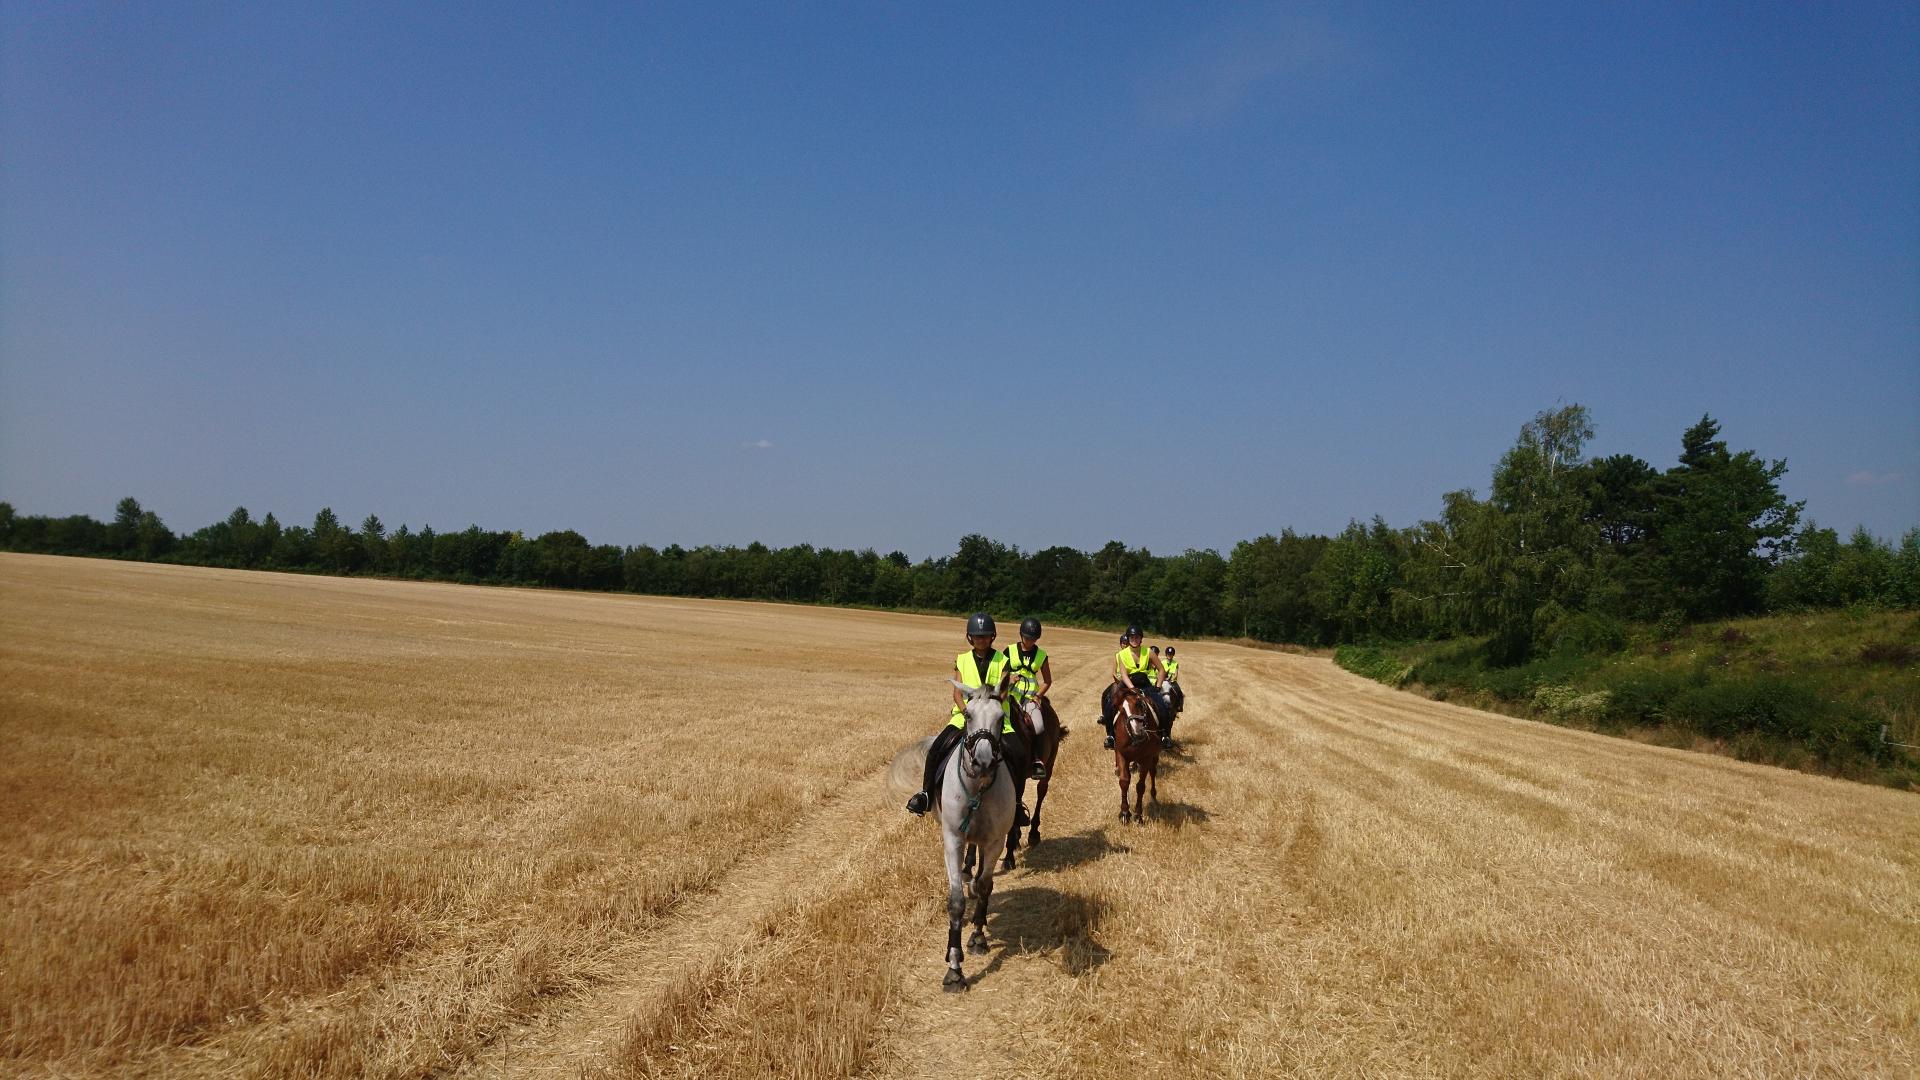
(1153, 782)
(1039, 800)
(1139, 802)
(956, 909)
(1121, 768)
(1013, 831)
(983, 891)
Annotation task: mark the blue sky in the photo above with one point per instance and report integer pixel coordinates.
(882, 275)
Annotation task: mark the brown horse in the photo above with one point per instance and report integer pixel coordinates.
(1039, 725)
(1136, 746)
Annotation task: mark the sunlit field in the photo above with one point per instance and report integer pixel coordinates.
(267, 825)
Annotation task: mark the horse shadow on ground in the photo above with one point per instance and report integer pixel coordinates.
(1176, 815)
(1178, 756)
(1066, 852)
(1033, 920)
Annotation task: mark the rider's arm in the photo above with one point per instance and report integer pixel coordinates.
(1157, 665)
(1046, 678)
(958, 701)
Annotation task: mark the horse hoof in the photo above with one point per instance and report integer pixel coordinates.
(955, 982)
(1124, 816)
(1033, 839)
(977, 944)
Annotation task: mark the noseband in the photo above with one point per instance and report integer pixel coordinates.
(966, 751)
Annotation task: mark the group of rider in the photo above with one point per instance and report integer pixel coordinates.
(1028, 675)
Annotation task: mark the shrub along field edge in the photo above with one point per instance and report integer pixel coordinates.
(1834, 693)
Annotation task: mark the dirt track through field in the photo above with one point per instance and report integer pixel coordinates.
(1339, 879)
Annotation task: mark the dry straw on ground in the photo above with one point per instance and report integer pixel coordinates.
(260, 825)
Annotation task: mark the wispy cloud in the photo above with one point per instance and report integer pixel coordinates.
(759, 444)
(1866, 478)
(1259, 52)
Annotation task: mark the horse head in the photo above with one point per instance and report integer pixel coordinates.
(1135, 712)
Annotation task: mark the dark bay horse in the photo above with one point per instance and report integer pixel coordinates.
(1136, 747)
(1036, 723)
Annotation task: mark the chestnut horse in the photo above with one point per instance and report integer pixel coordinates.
(1136, 746)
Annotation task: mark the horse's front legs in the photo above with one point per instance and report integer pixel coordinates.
(1120, 766)
(1139, 797)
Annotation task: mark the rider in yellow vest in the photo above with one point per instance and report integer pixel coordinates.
(1131, 665)
(1176, 697)
(1032, 676)
(980, 665)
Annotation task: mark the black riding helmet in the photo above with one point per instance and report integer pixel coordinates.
(1169, 650)
(1133, 631)
(1030, 627)
(1123, 637)
(980, 625)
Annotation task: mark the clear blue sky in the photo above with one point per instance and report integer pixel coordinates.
(882, 275)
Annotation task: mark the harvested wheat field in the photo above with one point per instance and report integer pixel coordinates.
(266, 825)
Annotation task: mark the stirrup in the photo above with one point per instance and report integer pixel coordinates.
(1109, 742)
(919, 803)
(1039, 770)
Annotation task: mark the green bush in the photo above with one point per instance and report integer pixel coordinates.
(1372, 663)
(1769, 706)
(1589, 634)
(1644, 697)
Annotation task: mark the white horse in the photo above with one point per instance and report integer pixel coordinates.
(976, 810)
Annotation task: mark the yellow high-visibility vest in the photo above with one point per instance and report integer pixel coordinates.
(1135, 662)
(1026, 671)
(969, 673)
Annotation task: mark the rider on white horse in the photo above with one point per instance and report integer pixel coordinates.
(980, 665)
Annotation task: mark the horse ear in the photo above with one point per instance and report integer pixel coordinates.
(1001, 690)
(960, 686)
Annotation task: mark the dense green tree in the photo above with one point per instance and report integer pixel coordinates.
(1719, 525)
(1266, 589)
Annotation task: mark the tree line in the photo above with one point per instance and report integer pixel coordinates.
(1563, 550)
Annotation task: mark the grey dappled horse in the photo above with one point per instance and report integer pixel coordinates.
(976, 810)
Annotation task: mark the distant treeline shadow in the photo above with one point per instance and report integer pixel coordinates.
(1034, 920)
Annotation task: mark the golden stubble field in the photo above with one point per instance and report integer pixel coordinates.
(266, 825)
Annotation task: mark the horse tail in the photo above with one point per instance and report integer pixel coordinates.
(903, 774)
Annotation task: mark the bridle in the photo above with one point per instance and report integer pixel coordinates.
(991, 733)
(1132, 699)
(971, 740)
